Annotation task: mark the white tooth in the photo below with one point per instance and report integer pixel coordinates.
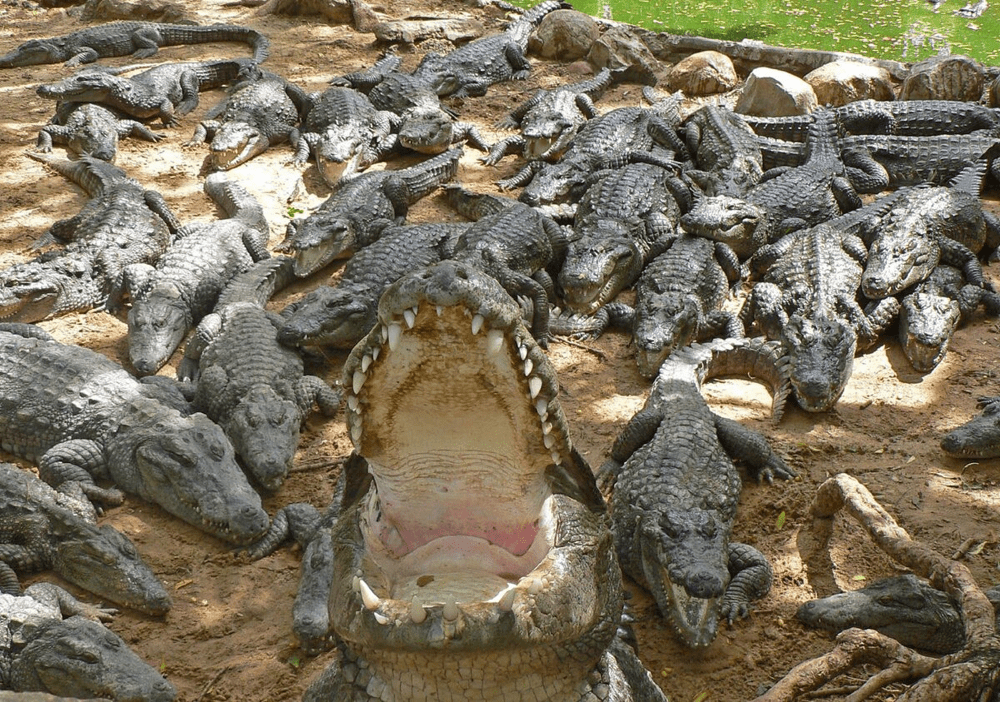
(416, 310)
(366, 361)
(356, 583)
(522, 351)
(494, 341)
(535, 386)
(506, 603)
(385, 333)
(410, 318)
(381, 618)
(440, 310)
(555, 458)
(368, 596)
(477, 323)
(395, 331)
(358, 381)
(549, 441)
(541, 406)
(546, 427)
(352, 403)
(375, 352)
(417, 612)
(528, 366)
(450, 611)
(534, 586)
(356, 433)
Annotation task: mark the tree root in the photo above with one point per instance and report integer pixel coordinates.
(970, 675)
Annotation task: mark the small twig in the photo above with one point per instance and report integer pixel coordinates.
(597, 352)
(211, 683)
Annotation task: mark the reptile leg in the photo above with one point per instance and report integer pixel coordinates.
(752, 576)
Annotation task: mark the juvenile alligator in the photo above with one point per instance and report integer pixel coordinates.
(52, 284)
(79, 415)
(360, 208)
(341, 315)
(675, 490)
(170, 298)
(471, 69)
(140, 39)
(76, 657)
(725, 150)
(980, 436)
(165, 92)
(251, 384)
(90, 129)
(469, 524)
(42, 529)
(263, 109)
(904, 607)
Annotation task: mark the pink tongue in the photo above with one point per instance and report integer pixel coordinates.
(516, 539)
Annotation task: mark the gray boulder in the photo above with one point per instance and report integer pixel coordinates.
(771, 93)
(703, 73)
(564, 35)
(840, 82)
(945, 78)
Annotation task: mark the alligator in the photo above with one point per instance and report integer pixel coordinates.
(340, 316)
(90, 129)
(263, 109)
(930, 313)
(81, 416)
(808, 298)
(360, 208)
(980, 436)
(725, 149)
(471, 69)
(75, 657)
(492, 576)
(514, 244)
(52, 284)
(170, 298)
(674, 489)
(904, 607)
(122, 223)
(623, 221)
(166, 92)
(140, 39)
(254, 386)
(42, 529)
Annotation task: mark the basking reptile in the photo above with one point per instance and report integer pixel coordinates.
(979, 437)
(90, 129)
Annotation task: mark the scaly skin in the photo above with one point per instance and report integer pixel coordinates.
(140, 39)
(49, 285)
(725, 149)
(42, 529)
(514, 597)
(90, 129)
(81, 415)
(979, 437)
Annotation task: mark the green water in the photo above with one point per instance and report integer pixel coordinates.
(904, 30)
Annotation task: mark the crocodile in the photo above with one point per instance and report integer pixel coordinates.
(495, 568)
(82, 416)
(166, 92)
(623, 221)
(263, 109)
(808, 298)
(42, 529)
(49, 285)
(980, 436)
(75, 657)
(674, 490)
(170, 298)
(91, 129)
(251, 384)
(360, 208)
(904, 607)
(340, 316)
(138, 39)
(471, 69)
(930, 313)
(725, 149)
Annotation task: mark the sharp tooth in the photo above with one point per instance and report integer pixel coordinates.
(477, 323)
(358, 381)
(375, 352)
(494, 341)
(534, 586)
(522, 351)
(385, 333)
(506, 603)
(535, 386)
(541, 406)
(352, 404)
(356, 584)
(417, 612)
(381, 618)
(356, 433)
(366, 361)
(395, 331)
(368, 596)
(549, 441)
(546, 426)
(450, 611)
(528, 366)
(555, 458)
(440, 310)
(410, 318)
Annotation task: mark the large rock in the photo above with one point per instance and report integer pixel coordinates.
(840, 82)
(564, 35)
(703, 73)
(945, 78)
(619, 47)
(771, 93)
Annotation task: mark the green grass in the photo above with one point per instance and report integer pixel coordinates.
(904, 30)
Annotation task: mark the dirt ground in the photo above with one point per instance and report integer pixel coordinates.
(228, 636)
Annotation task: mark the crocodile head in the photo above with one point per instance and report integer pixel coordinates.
(977, 438)
(821, 356)
(186, 465)
(34, 52)
(904, 608)
(316, 240)
(898, 259)
(77, 657)
(557, 183)
(683, 557)
(926, 324)
(264, 430)
(235, 143)
(94, 139)
(88, 85)
(471, 535)
(427, 130)
(547, 134)
(157, 324)
(599, 267)
(338, 153)
(338, 317)
(49, 285)
(664, 322)
(740, 224)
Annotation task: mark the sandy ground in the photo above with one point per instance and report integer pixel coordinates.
(229, 637)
